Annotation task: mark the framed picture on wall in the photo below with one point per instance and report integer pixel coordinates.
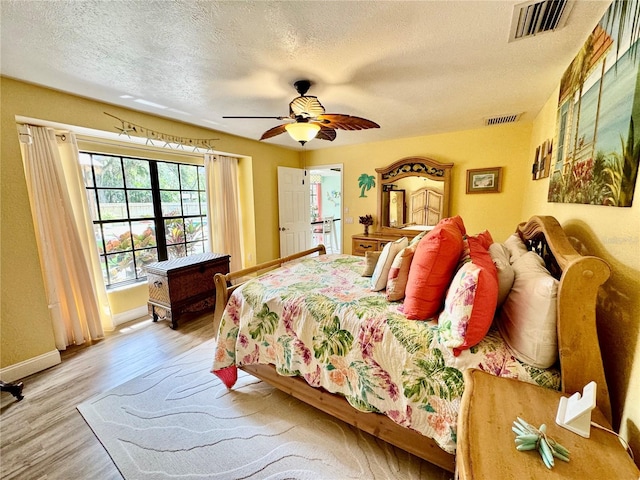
(484, 180)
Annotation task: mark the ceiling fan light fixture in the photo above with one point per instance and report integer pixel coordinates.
(302, 131)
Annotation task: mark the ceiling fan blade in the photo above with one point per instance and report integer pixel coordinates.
(345, 122)
(272, 132)
(277, 118)
(325, 133)
(305, 107)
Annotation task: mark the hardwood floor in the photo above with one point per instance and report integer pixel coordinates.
(44, 437)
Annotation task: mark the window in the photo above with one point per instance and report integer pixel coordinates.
(143, 211)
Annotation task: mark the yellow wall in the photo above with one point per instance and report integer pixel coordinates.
(504, 146)
(611, 233)
(25, 326)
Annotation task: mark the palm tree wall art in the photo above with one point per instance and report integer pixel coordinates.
(365, 183)
(597, 154)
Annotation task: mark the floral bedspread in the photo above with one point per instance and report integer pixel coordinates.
(317, 318)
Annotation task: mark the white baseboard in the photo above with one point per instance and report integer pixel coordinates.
(49, 359)
(129, 315)
(29, 367)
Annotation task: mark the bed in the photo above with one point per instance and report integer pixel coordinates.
(311, 326)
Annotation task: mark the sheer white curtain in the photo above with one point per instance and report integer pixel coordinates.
(223, 207)
(75, 290)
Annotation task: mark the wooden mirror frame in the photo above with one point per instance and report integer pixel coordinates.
(413, 167)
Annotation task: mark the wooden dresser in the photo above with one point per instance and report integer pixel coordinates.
(373, 242)
(183, 285)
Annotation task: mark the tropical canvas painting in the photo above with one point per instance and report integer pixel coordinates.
(598, 138)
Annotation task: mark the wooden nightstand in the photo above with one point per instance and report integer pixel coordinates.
(486, 447)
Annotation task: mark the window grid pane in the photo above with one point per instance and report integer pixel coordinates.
(171, 206)
(121, 200)
(137, 173)
(168, 176)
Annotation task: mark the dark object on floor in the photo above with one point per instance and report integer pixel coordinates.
(14, 389)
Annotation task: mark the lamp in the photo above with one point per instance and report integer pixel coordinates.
(302, 131)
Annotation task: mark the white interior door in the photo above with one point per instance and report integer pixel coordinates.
(294, 210)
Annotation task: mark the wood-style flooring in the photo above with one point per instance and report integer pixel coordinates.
(44, 437)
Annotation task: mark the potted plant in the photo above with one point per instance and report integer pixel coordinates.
(367, 221)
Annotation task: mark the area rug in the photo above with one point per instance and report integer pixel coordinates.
(180, 421)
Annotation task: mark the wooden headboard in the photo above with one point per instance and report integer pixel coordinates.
(580, 278)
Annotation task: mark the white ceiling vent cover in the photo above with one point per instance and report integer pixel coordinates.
(534, 17)
(500, 119)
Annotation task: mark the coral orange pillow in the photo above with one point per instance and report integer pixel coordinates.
(471, 301)
(485, 238)
(432, 268)
(455, 221)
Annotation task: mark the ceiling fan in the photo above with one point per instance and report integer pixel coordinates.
(310, 121)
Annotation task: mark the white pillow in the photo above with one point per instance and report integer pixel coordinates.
(500, 256)
(516, 247)
(381, 273)
(527, 320)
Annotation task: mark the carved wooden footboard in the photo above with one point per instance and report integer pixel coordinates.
(579, 353)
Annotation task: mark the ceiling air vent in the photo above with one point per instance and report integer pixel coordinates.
(500, 119)
(534, 17)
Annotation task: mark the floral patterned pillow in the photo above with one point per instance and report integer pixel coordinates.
(458, 306)
(471, 301)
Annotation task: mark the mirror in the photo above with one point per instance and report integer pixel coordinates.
(397, 207)
(413, 194)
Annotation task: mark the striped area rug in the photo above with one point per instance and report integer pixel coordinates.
(180, 421)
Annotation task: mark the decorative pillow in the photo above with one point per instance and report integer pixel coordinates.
(399, 273)
(516, 247)
(457, 221)
(458, 306)
(432, 268)
(381, 272)
(485, 238)
(500, 256)
(527, 319)
(370, 261)
(471, 301)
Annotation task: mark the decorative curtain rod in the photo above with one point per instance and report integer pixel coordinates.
(150, 135)
(144, 148)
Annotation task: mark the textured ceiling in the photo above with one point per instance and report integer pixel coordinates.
(415, 68)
